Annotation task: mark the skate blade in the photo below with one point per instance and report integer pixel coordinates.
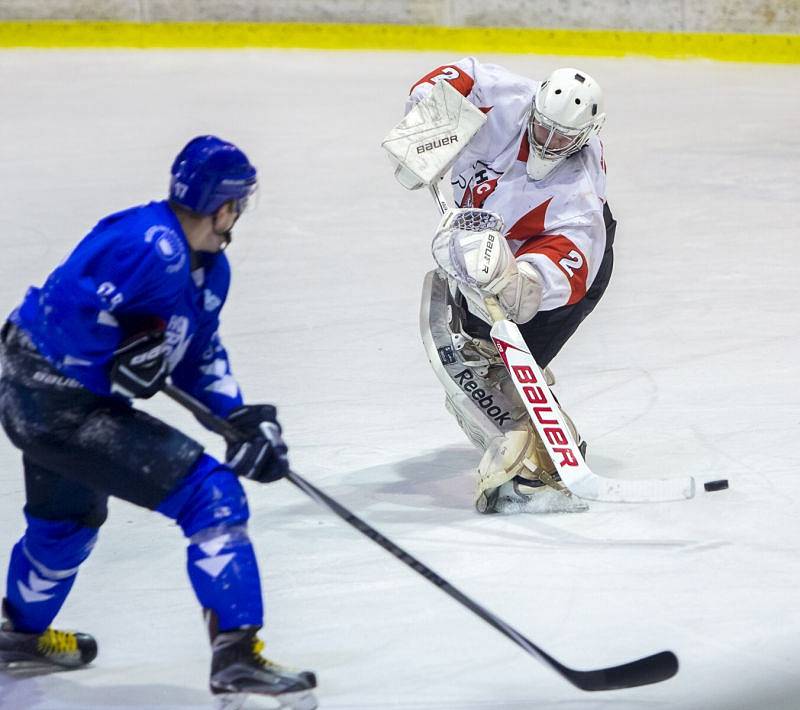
(545, 500)
(30, 669)
(302, 700)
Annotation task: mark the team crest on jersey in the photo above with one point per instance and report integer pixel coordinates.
(168, 246)
(177, 340)
(483, 183)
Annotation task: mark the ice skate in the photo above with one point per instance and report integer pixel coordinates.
(239, 671)
(529, 495)
(516, 475)
(47, 652)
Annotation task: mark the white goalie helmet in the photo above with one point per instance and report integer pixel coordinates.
(566, 111)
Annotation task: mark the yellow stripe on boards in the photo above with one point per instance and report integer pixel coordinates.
(473, 40)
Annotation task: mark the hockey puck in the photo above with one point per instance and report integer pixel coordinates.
(719, 485)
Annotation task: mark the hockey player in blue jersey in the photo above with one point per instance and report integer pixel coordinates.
(137, 301)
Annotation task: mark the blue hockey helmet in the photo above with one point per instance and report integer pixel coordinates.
(209, 172)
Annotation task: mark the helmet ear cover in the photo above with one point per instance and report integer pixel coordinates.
(210, 172)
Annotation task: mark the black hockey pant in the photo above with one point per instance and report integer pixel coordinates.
(79, 448)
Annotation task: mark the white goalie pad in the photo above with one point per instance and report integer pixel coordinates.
(480, 395)
(478, 391)
(429, 139)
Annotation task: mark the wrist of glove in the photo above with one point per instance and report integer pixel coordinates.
(520, 294)
(260, 453)
(407, 178)
(139, 368)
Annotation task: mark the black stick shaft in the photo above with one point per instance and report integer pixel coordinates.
(651, 669)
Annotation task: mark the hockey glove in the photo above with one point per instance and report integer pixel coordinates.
(470, 247)
(140, 365)
(260, 453)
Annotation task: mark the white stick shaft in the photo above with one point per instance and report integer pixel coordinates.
(551, 426)
(438, 196)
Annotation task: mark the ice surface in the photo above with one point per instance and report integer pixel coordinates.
(688, 367)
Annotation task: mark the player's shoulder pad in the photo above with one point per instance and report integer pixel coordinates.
(594, 162)
(147, 238)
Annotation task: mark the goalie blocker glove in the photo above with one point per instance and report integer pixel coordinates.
(260, 453)
(140, 365)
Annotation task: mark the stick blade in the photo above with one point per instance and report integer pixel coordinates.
(645, 671)
(548, 419)
(626, 490)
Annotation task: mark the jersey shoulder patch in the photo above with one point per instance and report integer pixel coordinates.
(456, 76)
(167, 246)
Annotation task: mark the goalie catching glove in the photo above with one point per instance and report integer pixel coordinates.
(470, 247)
(260, 452)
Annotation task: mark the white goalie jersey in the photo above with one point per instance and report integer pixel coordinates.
(555, 224)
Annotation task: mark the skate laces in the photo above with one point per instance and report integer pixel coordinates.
(258, 648)
(52, 642)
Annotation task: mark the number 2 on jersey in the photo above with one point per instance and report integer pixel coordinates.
(571, 262)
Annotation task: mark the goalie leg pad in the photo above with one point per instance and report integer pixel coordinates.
(478, 391)
(515, 467)
(516, 475)
(508, 455)
(480, 395)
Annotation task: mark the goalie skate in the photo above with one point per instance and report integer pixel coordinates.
(524, 495)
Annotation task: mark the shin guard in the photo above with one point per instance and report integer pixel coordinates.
(42, 570)
(211, 508)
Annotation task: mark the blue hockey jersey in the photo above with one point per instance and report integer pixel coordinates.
(135, 265)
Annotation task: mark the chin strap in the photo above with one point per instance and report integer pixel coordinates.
(227, 235)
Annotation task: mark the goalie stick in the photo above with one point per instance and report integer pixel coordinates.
(546, 416)
(644, 671)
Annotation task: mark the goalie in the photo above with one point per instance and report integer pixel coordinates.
(534, 233)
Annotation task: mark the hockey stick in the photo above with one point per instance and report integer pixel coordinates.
(644, 671)
(548, 419)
